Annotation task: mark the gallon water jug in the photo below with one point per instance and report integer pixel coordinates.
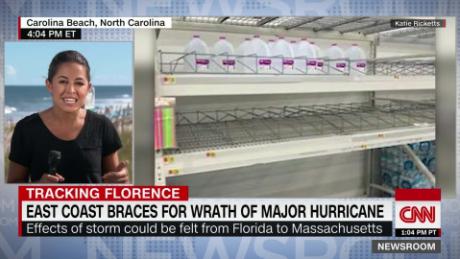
(292, 69)
(293, 44)
(283, 60)
(270, 44)
(224, 59)
(244, 62)
(358, 62)
(336, 60)
(320, 66)
(264, 62)
(305, 57)
(197, 55)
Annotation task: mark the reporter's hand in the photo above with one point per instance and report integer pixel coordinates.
(119, 175)
(49, 178)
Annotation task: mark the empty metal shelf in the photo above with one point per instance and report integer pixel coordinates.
(219, 129)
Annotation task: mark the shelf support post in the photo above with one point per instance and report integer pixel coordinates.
(143, 92)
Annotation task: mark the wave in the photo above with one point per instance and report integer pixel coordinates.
(26, 108)
(9, 109)
(113, 102)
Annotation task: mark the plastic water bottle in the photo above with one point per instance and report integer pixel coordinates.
(424, 184)
(432, 155)
(389, 168)
(305, 57)
(385, 173)
(248, 64)
(195, 61)
(358, 61)
(433, 148)
(224, 60)
(386, 178)
(263, 54)
(337, 63)
(425, 147)
(405, 182)
(414, 146)
(283, 56)
(408, 165)
(319, 69)
(431, 164)
(412, 175)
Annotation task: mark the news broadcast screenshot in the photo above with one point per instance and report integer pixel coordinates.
(229, 129)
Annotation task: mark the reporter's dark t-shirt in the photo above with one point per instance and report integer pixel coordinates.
(81, 158)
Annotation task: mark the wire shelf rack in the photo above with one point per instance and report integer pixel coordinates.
(199, 130)
(405, 67)
(192, 63)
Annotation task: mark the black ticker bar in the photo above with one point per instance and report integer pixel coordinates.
(50, 34)
(206, 228)
(418, 232)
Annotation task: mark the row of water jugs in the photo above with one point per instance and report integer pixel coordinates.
(255, 55)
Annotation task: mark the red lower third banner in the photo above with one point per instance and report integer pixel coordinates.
(42, 201)
(102, 193)
(201, 217)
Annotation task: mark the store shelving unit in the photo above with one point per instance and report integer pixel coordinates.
(219, 139)
(400, 73)
(202, 130)
(224, 139)
(213, 84)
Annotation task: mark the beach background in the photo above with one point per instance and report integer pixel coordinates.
(115, 102)
(26, 68)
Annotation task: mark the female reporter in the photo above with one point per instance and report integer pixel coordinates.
(87, 143)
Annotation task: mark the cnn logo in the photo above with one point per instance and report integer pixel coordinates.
(411, 214)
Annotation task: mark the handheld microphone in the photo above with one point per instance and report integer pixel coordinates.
(54, 157)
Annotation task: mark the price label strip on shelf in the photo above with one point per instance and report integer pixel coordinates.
(169, 80)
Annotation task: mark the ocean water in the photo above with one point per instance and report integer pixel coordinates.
(21, 101)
